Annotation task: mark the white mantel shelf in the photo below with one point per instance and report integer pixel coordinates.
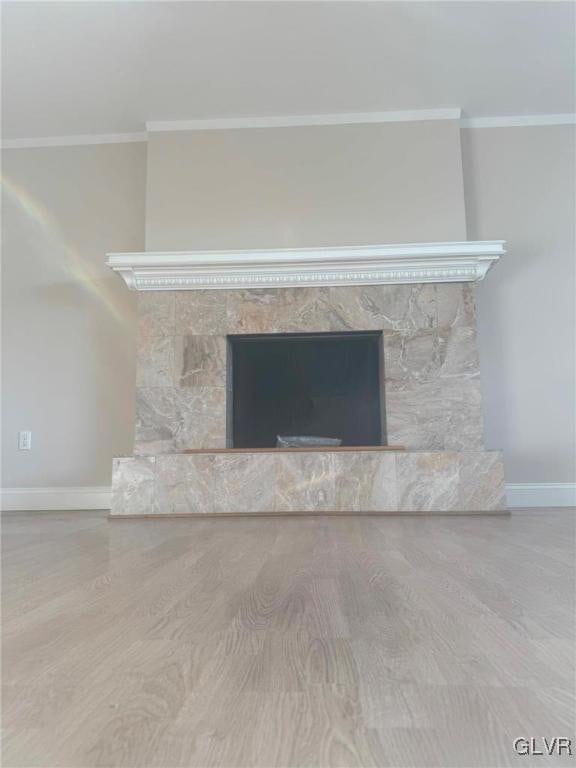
(288, 268)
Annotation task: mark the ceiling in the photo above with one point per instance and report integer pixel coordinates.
(108, 67)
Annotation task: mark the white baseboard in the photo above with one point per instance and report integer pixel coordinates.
(36, 499)
(98, 497)
(541, 494)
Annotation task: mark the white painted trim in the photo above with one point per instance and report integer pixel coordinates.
(287, 121)
(75, 141)
(541, 494)
(518, 121)
(36, 499)
(288, 268)
(290, 121)
(520, 495)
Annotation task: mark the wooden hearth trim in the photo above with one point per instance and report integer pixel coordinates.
(311, 449)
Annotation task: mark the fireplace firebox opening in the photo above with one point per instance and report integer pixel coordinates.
(327, 385)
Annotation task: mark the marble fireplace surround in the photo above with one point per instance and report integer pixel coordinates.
(431, 370)
(431, 395)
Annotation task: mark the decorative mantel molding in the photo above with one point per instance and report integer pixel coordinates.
(287, 268)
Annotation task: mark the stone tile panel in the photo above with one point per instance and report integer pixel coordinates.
(365, 482)
(201, 313)
(376, 307)
(442, 414)
(155, 362)
(216, 483)
(305, 482)
(156, 423)
(200, 418)
(351, 482)
(200, 361)
(428, 482)
(133, 481)
(155, 314)
(482, 486)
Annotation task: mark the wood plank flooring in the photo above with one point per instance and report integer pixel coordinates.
(286, 641)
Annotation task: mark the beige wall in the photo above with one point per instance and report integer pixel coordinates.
(67, 321)
(283, 187)
(520, 187)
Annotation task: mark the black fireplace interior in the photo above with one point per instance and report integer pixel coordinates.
(311, 384)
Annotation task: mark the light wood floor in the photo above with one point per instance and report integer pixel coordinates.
(286, 642)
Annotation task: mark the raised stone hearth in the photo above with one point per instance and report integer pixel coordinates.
(429, 390)
(323, 482)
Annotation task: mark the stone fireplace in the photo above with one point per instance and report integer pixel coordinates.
(382, 358)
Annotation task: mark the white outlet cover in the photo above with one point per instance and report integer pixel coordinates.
(25, 440)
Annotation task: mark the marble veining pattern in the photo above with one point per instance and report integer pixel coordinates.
(305, 482)
(200, 414)
(214, 483)
(461, 353)
(250, 483)
(431, 369)
(427, 481)
(200, 361)
(133, 486)
(201, 312)
(441, 414)
(482, 481)
(413, 356)
(431, 390)
(365, 481)
(155, 362)
(156, 423)
(455, 305)
(393, 307)
(420, 356)
(278, 310)
(155, 315)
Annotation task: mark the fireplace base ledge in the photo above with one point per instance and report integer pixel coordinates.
(308, 482)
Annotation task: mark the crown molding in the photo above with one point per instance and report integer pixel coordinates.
(75, 141)
(288, 268)
(290, 121)
(518, 121)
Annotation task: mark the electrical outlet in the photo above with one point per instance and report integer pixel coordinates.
(25, 440)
